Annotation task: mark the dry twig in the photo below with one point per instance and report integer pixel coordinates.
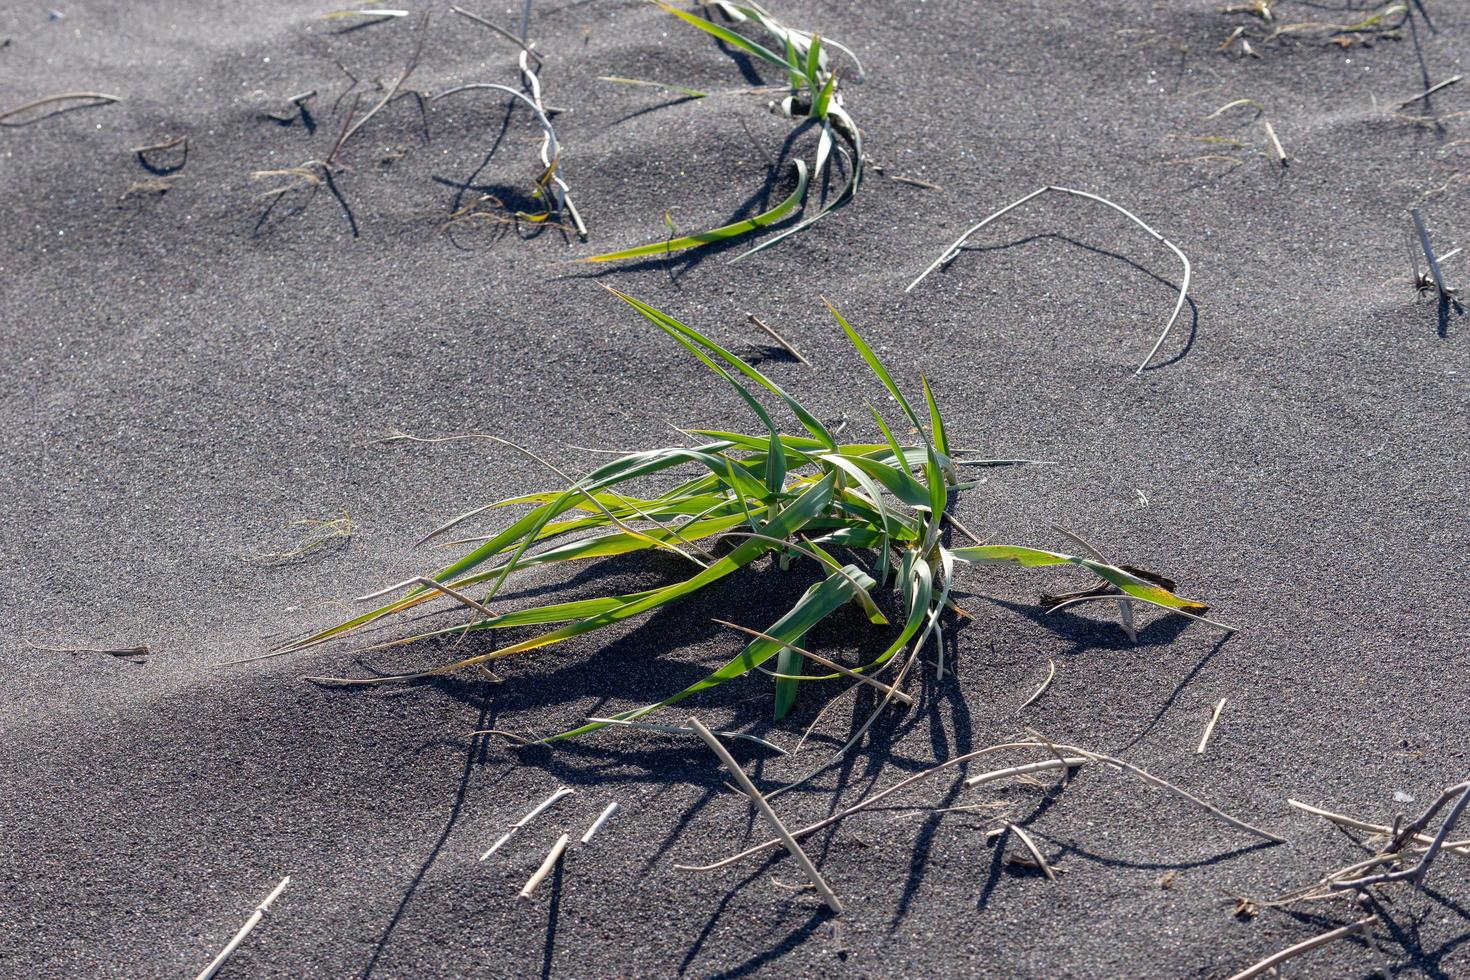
(1275, 959)
(783, 836)
(1210, 728)
(250, 923)
(552, 857)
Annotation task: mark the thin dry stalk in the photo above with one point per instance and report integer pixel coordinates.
(1210, 728)
(1110, 597)
(602, 819)
(320, 534)
(408, 69)
(1125, 609)
(1383, 830)
(454, 594)
(250, 923)
(765, 809)
(541, 808)
(1461, 795)
(951, 253)
(953, 521)
(552, 857)
(1276, 147)
(1181, 793)
(1276, 959)
(1431, 90)
(141, 650)
(778, 339)
(1041, 861)
(1051, 672)
(98, 98)
(648, 726)
(966, 757)
(524, 46)
(817, 658)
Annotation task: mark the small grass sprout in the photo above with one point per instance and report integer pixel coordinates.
(814, 95)
(799, 497)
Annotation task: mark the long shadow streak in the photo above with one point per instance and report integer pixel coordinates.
(474, 754)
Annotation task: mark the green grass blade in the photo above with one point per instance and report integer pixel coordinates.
(895, 481)
(728, 36)
(622, 543)
(790, 665)
(784, 522)
(814, 65)
(824, 99)
(807, 419)
(936, 421)
(816, 605)
(876, 366)
(857, 164)
(720, 234)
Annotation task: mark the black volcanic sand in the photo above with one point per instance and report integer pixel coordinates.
(187, 373)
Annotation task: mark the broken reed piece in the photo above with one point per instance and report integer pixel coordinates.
(141, 650)
(250, 923)
(1429, 255)
(765, 809)
(603, 818)
(770, 332)
(1275, 959)
(540, 809)
(1276, 146)
(951, 253)
(552, 857)
(167, 144)
(1210, 728)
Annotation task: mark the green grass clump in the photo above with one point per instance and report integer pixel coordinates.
(800, 497)
(802, 57)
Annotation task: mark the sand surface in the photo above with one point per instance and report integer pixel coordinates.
(186, 373)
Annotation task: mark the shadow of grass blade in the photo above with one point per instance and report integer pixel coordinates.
(1036, 558)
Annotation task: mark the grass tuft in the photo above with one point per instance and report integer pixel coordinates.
(814, 95)
(798, 497)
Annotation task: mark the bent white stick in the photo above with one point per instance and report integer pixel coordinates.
(951, 253)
